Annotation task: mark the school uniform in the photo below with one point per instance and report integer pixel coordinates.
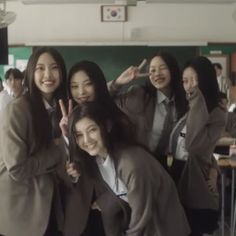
(151, 206)
(26, 175)
(192, 143)
(148, 114)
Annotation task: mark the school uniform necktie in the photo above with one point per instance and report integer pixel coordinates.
(168, 125)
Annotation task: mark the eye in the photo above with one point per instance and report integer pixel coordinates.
(93, 129)
(55, 67)
(163, 67)
(78, 135)
(39, 68)
(152, 71)
(74, 86)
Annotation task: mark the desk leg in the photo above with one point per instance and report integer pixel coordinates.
(222, 203)
(232, 204)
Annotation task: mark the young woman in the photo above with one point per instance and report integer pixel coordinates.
(30, 149)
(133, 192)
(192, 144)
(154, 107)
(86, 82)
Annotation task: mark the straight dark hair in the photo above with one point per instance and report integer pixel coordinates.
(175, 83)
(41, 122)
(207, 80)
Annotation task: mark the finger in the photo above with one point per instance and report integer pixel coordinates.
(142, 64)
(141, 75)
(70, 106)
(62, 106)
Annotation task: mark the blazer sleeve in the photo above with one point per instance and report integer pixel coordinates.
(18, 157)
(130, 100)
(203, 128)
(140, 194)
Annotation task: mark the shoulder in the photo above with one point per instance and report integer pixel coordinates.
(17, 108)
(135, 98)
(133, 157)
(218, 115)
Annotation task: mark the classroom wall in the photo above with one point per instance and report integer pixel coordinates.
(161, 24)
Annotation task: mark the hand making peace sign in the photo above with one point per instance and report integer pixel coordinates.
(65, 114)
(133, 72)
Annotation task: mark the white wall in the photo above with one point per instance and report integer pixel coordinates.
(76, 24)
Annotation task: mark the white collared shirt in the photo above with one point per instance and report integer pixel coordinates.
(159, 119)
(107, 170)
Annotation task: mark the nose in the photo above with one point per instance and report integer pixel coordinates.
(47, 73)
(81, 90)
(86, 139)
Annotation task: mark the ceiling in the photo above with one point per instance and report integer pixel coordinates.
(126, 2)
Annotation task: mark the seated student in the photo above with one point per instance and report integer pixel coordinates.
(133, 192)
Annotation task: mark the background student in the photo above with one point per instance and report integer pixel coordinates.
(13, 87)
(192, 144)
(133, 192)
(155, 107)
(30, 150)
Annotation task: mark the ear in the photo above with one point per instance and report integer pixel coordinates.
(108, 126)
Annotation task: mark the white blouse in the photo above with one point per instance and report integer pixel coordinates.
(107, 170)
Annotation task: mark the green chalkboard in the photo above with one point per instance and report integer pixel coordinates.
(114, 59)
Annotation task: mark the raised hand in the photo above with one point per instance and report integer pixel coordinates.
(133, 72)
(64, 120)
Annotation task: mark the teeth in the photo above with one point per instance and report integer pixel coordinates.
(47, 82)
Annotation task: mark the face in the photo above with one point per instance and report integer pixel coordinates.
(82, 88)
(47, 75)
(218, 71)
(189, 79)
(15, 85)
(89, 138)
(159, 74)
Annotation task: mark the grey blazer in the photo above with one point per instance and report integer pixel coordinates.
(154, 208)
(203, 131)
(26, 180)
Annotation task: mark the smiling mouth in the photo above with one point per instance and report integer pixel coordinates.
(83, 99)
(91, 146)
(48, 82)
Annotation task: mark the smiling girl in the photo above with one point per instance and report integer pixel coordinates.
(133, 192)
(30, 149)
(149, 105)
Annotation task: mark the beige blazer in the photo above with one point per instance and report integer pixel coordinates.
(153, 207)
(26, 176)
(203, 131)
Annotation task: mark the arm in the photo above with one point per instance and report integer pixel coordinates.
(130, 74)
(17, 142)
(135, 173)
(203, 129)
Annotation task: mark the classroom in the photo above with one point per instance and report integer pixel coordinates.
(114, 39)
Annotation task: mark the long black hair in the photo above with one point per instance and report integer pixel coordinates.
(175, 83)
(207, 80)
(111, 131)
(102, 96)
(41, 123)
